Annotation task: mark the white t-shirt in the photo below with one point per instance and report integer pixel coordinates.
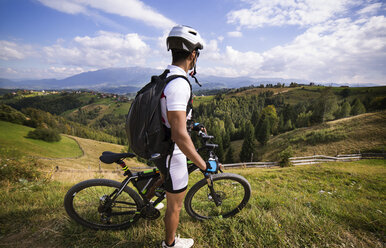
(175, 96)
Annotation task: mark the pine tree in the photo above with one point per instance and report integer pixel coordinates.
(288, 125)
(264, 132)
(226, 140)
(357, 107)
(345, 110)
(325, 107)
(229, 156)
(248, 146)
(281, 123)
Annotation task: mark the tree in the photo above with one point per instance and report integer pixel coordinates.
(229, 156)
(345, 110)
(325, 107)
(288, 125)
(248, 146)
(281, 123)
(226, 140)
(255, 117)
(357, 107)
(264, 132)
(303, 119)
(269, 113)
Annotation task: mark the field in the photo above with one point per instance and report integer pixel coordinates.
(12, 136)
(88, 165)
(326, 205)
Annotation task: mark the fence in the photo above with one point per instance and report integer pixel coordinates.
(294, 160)
(252, 165)
(299, 161)
(322, 158)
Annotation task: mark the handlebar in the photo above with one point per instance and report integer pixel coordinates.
(204, 135)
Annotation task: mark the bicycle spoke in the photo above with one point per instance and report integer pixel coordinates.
(94, 205)
(230, 192)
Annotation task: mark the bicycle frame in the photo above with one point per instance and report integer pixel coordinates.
(130, 177)
(147, 184)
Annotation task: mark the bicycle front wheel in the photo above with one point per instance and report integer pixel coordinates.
(92, 203)
(232, 191)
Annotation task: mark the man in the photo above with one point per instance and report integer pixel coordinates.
(185, 43)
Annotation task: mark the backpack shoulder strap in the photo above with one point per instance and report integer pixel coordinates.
(190, 102)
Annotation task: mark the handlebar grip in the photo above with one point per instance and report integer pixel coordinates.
(204, 135)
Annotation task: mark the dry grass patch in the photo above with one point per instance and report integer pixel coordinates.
(353, 135)
(88, 165)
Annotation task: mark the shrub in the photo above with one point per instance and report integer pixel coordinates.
(324, 136)
(285, 157)
(46, 134)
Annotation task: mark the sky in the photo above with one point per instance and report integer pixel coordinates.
(336, 41)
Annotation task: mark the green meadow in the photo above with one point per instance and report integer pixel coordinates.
(13, 136)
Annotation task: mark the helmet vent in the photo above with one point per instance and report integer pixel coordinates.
(193, 33)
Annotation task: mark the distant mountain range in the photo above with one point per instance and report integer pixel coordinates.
(131, 79)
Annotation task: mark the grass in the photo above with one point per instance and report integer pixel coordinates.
(14, 136)
(326, 205)
(343, 136)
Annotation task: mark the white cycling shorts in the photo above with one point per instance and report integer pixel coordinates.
(177, 181)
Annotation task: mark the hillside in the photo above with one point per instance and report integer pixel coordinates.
(348, 135)
(13, 136)
(72, 158)
(88, 165)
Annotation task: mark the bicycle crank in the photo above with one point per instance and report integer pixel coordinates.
(150, 213)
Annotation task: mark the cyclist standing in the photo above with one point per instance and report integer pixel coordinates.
(184, 43)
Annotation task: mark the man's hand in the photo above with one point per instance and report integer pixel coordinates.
(211, 167)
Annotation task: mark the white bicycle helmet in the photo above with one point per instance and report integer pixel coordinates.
(184, 38)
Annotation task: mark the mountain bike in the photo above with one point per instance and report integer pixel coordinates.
(104, 204)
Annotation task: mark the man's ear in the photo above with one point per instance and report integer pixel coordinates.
(191, 56)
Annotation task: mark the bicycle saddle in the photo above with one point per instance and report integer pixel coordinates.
(111, 157)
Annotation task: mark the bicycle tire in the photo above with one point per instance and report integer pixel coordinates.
(84, 200)
(200, 205)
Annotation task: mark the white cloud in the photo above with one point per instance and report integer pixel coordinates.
(211, 50)
(13, 51)
(335, 51)
(277, 13)
(134, 9)
(40, 72)
(235, 34)
(106, 49)
(66, 6)
(371, 9)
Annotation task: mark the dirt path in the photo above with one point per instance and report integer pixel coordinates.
(85, 166)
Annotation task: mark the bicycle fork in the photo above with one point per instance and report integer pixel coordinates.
(213, 193)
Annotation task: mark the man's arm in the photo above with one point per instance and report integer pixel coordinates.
(180, 135)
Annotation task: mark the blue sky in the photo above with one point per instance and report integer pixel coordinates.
(341, 41)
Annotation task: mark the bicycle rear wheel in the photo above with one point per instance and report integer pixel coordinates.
(91, 204)
(233, 191)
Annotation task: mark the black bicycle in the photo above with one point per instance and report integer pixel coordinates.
(110, 205)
